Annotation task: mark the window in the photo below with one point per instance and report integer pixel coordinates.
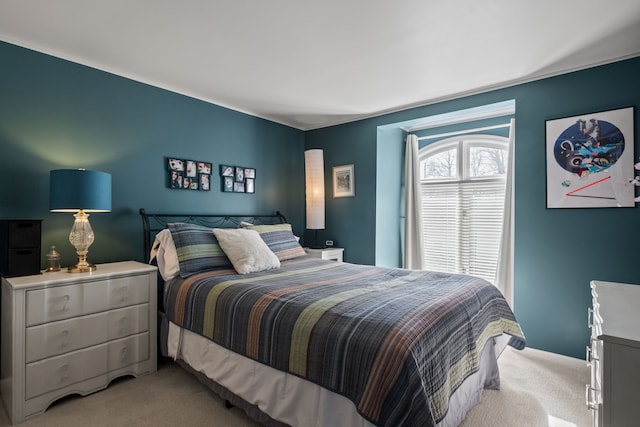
(462, 181)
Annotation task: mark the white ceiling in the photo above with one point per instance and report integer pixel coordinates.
(315, 63)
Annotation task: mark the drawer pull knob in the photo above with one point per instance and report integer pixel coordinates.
(65, 341)
(123, 353)
(591, 397)
(123, 324)
(65, 299)
(65, 372)
(123, 294)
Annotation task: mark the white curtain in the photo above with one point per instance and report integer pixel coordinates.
(413, 207)
(504, 270)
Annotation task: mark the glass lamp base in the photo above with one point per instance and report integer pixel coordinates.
(81, 268)
(81, 237)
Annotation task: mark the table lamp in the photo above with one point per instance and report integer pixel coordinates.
(80, 191)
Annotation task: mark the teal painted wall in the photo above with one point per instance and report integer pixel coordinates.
(557, 251)
(389, 197)
(350, 221)
(58, 114)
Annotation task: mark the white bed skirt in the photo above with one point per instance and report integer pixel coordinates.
(281, 395)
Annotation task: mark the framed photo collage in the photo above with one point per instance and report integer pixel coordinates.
(189, 174)
(237, 179)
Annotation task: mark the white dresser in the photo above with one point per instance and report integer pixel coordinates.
(72, 333)
(614, 354)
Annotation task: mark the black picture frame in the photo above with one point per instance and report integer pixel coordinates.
(239, 174)
(204, 181)
(175, 164)
(343, 181)
(237, 179)
(226, 170)
(175, 179)
(186, 174)
(204, 168)
(191, 168)
(250, 185)
(227, 184)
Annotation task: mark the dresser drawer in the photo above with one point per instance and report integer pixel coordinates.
(595, 320)
(61, 371)
(127, 351)
(64, 302)
(52, 339)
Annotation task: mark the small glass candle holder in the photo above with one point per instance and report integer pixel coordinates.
(53, 260)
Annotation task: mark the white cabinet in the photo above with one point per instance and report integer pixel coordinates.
(72, 333)
(334, 254)
(614, 354)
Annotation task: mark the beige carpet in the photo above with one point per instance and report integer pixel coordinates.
(538, 389)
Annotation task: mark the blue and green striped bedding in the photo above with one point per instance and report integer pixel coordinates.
(396, 342)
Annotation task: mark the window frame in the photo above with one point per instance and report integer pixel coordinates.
(463, 143)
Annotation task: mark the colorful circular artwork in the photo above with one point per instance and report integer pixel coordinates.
(589, 147)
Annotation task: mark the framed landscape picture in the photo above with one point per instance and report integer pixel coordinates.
(343, 185)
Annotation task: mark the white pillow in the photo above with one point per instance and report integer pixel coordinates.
(246, 250)
(164, 251)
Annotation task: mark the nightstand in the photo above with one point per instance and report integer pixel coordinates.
(334, 254)
(72, 333)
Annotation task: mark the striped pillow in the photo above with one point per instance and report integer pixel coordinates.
(280, 240)
(198, 249)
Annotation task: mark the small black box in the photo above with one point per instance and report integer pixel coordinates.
(20, 247)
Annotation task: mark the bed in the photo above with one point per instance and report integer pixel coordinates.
(295, 340)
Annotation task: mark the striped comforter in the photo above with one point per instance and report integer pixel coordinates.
(396, 342)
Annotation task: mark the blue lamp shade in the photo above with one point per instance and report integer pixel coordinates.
(72, 190)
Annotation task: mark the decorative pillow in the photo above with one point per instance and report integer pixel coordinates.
(197, 248)
(246, 250)
(164, 251)
(280, 240)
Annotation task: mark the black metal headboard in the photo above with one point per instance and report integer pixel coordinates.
(153, 223)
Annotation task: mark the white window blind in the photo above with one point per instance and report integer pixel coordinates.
(462, 218)
(461, 225)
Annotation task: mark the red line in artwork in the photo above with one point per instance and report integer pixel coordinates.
(588, 185)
